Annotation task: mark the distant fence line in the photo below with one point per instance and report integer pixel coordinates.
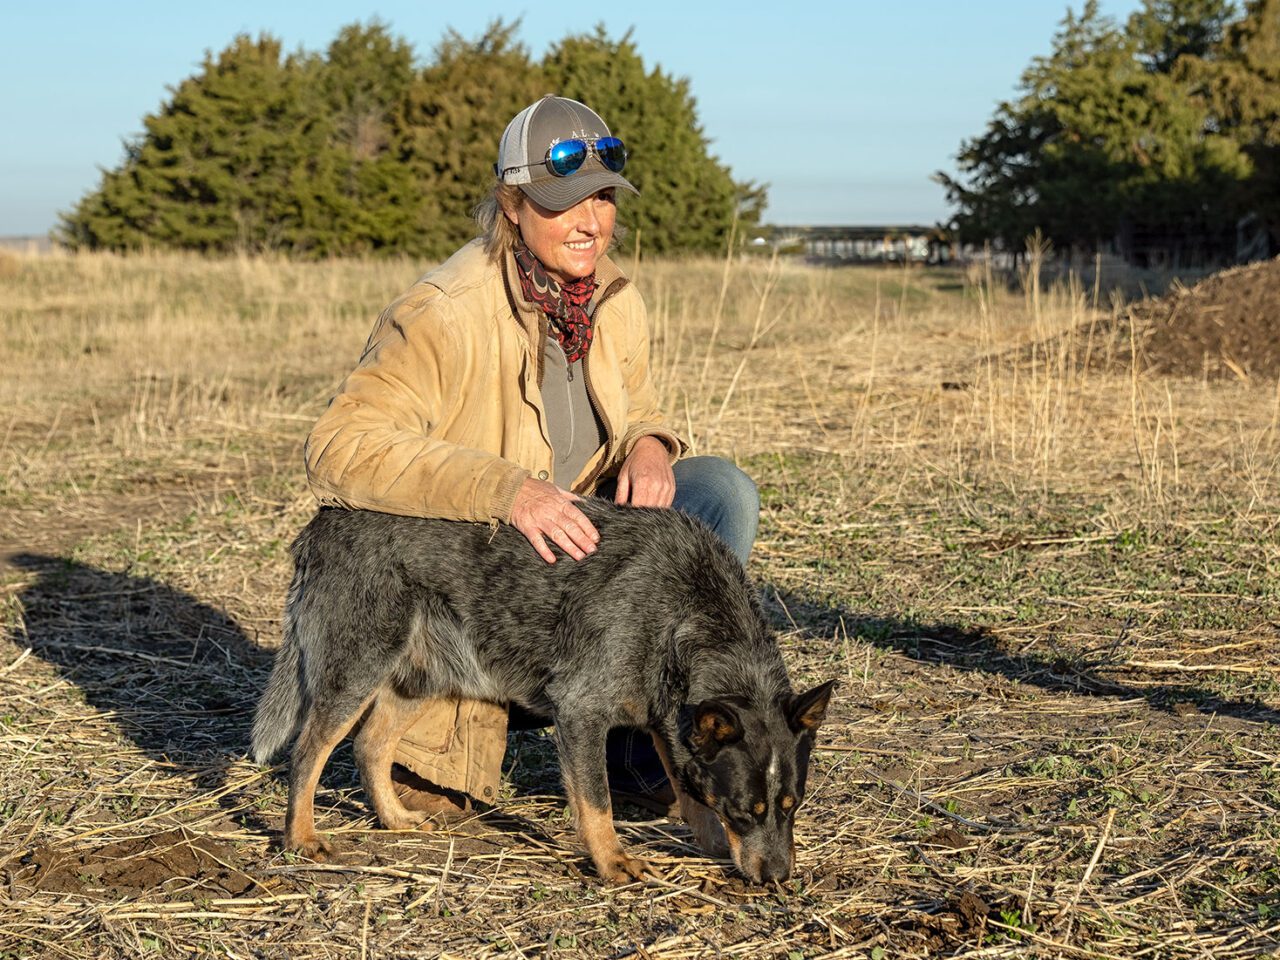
(861, 244)
(34, 244)
(915, 243)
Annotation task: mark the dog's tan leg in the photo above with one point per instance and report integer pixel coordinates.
(388, 718)
(594, 820)
(580, 743)
(706, 826)
(320, 734)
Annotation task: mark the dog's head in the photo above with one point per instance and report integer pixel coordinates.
(749, 766)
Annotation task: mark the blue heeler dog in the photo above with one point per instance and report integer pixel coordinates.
(658, 629)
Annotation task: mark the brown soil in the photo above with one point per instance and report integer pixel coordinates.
(1227, 325)
(171, 860)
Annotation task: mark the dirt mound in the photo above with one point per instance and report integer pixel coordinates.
(168, 861)
(1227, 325)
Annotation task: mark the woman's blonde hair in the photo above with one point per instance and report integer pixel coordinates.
(499, 233)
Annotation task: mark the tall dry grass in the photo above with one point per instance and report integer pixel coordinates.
(932, 377)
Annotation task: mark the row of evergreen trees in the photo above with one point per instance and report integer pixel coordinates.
(361, 150)
(1166, 126)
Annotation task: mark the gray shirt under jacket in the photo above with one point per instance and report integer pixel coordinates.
(576, 432)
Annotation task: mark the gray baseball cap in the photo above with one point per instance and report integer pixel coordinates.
(522, 153)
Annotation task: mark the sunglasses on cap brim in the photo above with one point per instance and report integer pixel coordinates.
(568, 156)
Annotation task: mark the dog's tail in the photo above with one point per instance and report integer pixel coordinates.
(280, 710)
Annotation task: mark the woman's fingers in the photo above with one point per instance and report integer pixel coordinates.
(543, 511)
(576, 534)
(646, 478)
(650, 488)
(540, 544)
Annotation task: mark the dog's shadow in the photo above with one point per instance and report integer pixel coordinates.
(178, 676)
(980, 649)
(181, 678)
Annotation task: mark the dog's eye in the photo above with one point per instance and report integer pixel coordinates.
(739, 816)
(748, 816)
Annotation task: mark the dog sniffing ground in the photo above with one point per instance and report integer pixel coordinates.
(1049, 593)
(658, 629)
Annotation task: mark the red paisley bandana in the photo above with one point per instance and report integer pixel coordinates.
(565, 304)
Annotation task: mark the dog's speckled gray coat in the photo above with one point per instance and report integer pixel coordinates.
(659, 619)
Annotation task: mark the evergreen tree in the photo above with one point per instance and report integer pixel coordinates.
(1166, 30)
(1031, 169)
(688, 200)
(456, 112)
(1109, 139)
(360, 195)
(360, 151)
(1241, 80)
(217, 166)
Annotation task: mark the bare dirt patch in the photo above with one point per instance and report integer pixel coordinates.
(170, 861)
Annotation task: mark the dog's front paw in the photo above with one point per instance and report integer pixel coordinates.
(620, 869)
(311, 847)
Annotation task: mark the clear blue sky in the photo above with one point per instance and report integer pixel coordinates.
(844, 108)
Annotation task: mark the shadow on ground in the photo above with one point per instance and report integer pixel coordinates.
(981, 649)
(179, 676)
(182, 677)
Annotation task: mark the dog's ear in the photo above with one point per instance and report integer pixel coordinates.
(807, 711)
(715, 723)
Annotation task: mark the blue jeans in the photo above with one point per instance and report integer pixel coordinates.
(717, 493)
(725, 499)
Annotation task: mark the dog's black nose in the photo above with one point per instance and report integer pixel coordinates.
(774, 869)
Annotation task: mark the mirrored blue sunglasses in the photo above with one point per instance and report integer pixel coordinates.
(568, 156)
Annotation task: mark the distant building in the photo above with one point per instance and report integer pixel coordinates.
(861, 244)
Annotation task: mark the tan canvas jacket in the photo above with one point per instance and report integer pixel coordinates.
(443, 417)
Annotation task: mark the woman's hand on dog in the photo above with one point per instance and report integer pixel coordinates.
(542, 512)
(646, 478)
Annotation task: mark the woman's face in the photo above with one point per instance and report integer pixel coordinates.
(568, 242)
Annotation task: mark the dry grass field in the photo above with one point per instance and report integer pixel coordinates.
(1050, 587)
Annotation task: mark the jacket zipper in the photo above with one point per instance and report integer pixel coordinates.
(609, 440)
